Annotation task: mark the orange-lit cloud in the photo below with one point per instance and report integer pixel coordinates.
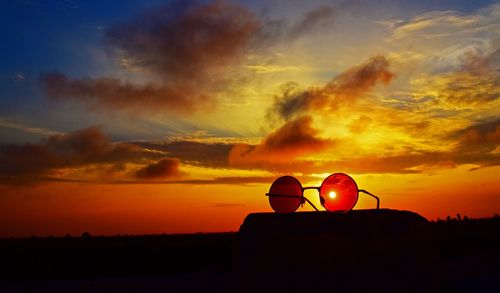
(294, 139)
(343, 89)
(164, 168)
(283, 150)
(478, 144)
(84, 147)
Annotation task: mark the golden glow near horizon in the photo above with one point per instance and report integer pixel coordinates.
(332, 194)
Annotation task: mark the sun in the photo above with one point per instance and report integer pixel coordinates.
(332, 194)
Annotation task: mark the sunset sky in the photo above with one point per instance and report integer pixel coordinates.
(134, 117)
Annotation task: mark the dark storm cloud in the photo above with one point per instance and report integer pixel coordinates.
(164, 168)
(27, 162)
(343, 89)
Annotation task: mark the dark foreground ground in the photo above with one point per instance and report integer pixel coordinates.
(468, 261)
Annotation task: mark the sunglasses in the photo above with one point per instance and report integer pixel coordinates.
(338, 192)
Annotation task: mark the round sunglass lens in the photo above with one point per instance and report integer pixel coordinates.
(339, 192)
(285, 194)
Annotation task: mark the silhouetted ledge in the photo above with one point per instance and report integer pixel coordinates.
(379, 250)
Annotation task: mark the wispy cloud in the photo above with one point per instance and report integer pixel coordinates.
(26, 128)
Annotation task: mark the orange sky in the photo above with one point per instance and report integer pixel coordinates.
(180, 124)
(108, 209)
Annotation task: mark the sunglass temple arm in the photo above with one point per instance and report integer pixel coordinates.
(308, 201)
(372, 195)
(283, 195)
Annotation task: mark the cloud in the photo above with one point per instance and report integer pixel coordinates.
(185, 46)
(477, 82)
(343, 89)
(164, 168)
(443, 24)
(291, 148)
(112, 93)
(486, 134)
(479, 62)
(187, 50)
(479, 144)
(360, 124)
(294, 139)
(471, 84)
(212, 155)
(277, 151)
(80, 148)
(476, 144)
(26, 128)
(455, 57)
(404, 163)
(320, 17)
(185, 40)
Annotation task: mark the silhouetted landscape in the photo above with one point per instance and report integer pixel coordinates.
(467, 249)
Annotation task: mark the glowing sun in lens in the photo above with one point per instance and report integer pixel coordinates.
(332, 194)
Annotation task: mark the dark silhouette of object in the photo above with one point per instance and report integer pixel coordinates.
(362, 250)
(469, 259)
(338, 192)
